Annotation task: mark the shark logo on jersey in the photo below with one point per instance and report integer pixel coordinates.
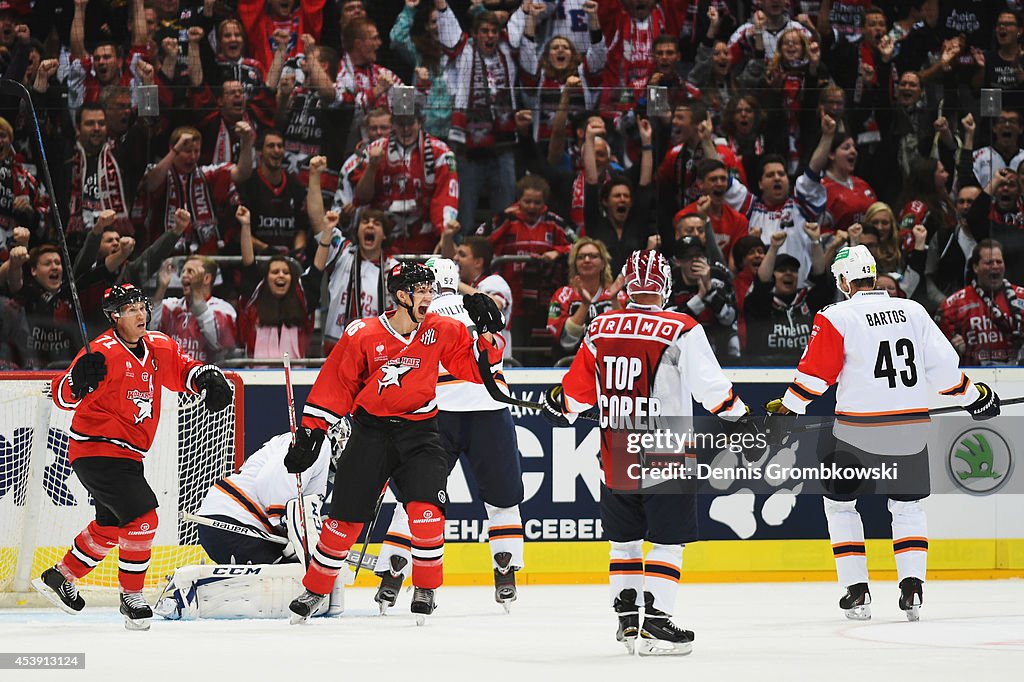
(145, 406)
(392, 376)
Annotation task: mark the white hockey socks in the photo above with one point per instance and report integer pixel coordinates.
(505, 533)
(397, 542)
(626, 569)
(846, 532)
(662, 568)
(909, 539)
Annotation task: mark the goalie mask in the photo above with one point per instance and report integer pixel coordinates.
(853, 263)
(446, 274)
(648, 272)
(119, 296)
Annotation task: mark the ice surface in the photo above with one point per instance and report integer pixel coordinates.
(969, 631)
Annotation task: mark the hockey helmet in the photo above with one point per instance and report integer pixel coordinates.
(446, 274)
(648, 272)
(853, 263)
(117, 297)
(405, 276)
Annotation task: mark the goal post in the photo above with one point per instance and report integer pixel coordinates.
(43, 506)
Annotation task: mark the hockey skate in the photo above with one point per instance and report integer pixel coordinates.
(504, 580)
(856, 602)
(62, 592)
(390, 584)
(659, 636)
(911, 598)
(422, 604)
(137, 613)
(304, 606)
(629, 619)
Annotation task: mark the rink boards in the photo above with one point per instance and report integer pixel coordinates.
(744, 537)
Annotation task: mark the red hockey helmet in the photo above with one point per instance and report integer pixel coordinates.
(648, 272)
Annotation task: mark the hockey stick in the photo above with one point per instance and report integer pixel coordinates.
(369, 530)
(934, 412)
(493, 390)
(353, 558)
(298, 477)
(16, 89)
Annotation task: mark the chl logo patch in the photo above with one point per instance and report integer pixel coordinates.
(429, 337)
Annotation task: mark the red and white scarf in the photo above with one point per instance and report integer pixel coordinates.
(192, 192)
(484, 107)
(111, 189)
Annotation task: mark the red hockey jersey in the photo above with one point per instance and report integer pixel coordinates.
(120, 418)
(375, 368)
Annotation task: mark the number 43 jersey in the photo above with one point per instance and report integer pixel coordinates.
(888, 358)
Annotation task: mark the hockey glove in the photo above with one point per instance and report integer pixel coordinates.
(482, 309)
(778, 422)
(218, 391)
(554, 407)
(87, 374)
(304, 451)
(987, 404)
(753, 439)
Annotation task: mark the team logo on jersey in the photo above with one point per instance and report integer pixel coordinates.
(429, 337)
(145, 407)
(979, 461)
(392, 376)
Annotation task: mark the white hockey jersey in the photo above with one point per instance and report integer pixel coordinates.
(256, 495)
(456, 395)
(888, 358)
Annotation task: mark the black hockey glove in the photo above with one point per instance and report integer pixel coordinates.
(87, 374)
(987, 404)
(482, 309)
(554, 407)
(776, 425)
(218, 391)
(304, 451)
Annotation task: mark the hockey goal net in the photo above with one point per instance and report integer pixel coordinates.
(43, 506)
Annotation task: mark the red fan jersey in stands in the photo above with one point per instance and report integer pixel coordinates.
(643, 362)
(375, 368)
(120, 417)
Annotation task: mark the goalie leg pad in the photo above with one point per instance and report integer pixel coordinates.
(232, 591)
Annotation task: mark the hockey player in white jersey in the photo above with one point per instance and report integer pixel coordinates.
(666, 363)
(888, 358)
(480, 431)
(262, 497)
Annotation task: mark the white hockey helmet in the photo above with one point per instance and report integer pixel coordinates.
(648, 272)
(446, 274)
(853, 263)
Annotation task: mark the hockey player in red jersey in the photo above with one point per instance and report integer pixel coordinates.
(674, 365)
(888, 358)
(116, 417)
(384, 372)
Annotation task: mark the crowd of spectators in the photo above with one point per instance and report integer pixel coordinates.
(257, 165)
